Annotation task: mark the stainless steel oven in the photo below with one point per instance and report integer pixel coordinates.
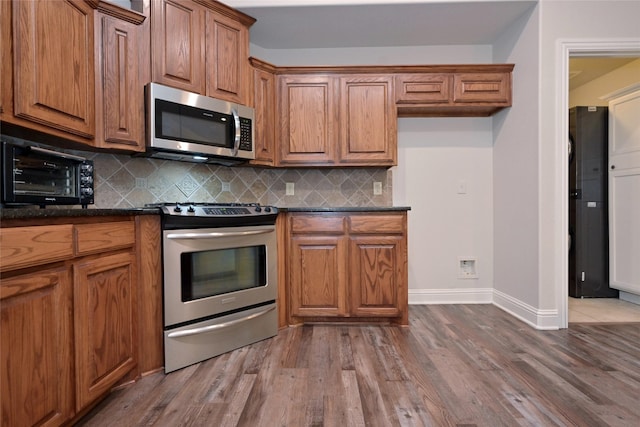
(220, 279)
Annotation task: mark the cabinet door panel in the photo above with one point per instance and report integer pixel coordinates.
(35, 348)
(120, 123)
(482, 87)
(265, 109)
(368, 121)
(317, 276)
(376, 276)
(103, 304)
(423, 88)
(54, 69)
(177, 44)
(227, 58)
(308, 122)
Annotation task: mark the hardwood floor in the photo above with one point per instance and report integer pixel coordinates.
(455, 365)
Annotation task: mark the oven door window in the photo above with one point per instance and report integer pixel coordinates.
(221, 271)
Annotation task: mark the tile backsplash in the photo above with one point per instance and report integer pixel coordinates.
(123, 181)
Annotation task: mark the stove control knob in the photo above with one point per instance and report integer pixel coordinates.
(177, 208)
(267, 209)
(258, 209)
(191, 209)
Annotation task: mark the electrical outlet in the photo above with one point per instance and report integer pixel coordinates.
(141, 182)
(226, 186)
(377, 188)
(290, 189)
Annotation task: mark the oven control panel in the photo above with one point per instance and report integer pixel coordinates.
(215, 214)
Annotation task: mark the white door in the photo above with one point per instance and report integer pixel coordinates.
(624, 193)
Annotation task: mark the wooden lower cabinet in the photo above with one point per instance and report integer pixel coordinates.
(71, 325)
(347, 267)
(36, 348)
(104, 297)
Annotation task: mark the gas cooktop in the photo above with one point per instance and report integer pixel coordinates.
(196, 215)
(193, 209)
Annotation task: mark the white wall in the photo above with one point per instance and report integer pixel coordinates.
(435, 157)
(434, 154)
(516, 176)
(595, 92)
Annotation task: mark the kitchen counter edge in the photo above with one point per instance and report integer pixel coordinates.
(346, 209)
(24, 213)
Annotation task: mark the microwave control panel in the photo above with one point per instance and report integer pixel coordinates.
(246, 141)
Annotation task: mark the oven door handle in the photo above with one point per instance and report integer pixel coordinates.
(211, 328)
(218, 234)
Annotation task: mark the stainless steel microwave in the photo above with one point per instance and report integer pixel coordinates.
(186, 126)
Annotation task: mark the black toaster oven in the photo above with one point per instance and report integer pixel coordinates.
(34, 175)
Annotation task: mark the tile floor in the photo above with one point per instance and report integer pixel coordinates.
(599, 310)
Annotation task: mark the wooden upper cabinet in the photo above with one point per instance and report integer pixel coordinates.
(264, 102)
(177, 44)
(54, 78)
(201, 46)
(119, 93)
(453, 90)
(227, 58)
(74, 72)
(308, 129)
(368, 122)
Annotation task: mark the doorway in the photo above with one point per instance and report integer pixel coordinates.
(618, 52)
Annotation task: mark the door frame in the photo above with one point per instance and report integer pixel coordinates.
(573, 48)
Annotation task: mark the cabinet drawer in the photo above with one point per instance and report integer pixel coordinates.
(376, 224)
(28, 246)
(317, 224)
(423, 88)
(482, 87)
(92, 238)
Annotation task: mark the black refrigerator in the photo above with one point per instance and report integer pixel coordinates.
(588, 210)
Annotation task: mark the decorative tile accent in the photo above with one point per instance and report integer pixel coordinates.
(187, 185)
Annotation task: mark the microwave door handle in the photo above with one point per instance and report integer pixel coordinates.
(210, 328)
(217, 234)
(236, 141)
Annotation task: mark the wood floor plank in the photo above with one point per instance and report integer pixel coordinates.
(455, 365)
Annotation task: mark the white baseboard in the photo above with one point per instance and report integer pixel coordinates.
(538, 319)
(629, 297)
(450, 296)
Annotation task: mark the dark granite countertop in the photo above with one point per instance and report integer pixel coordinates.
(346, 209)
(31, 212)
(34, 212)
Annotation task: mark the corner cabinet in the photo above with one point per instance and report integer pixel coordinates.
(74, 72)
(336, 120)
(201, 46)
(69, 314)
(347, 267)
